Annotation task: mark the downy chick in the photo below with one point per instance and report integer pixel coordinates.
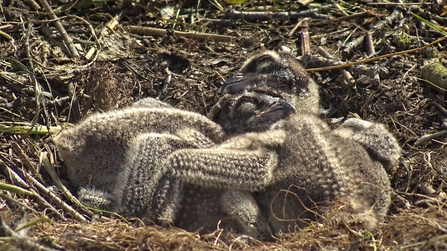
(116, 157)
(381, 145)
(297, 170)
(282, 74)
(279, 72)
(203, 207)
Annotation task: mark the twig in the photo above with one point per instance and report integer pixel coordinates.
(14, 201)
(327, 68)
(54, 198)
(7, 27)
(37, 89)
(440, 108)
(298, 25)
(353, 16)
(50, 169)
(217, 21)
(346, 75)
(388, 20)
(354, 43)
(23, 157)
(22, 242)
(33, 4)
(74, 105)
(149, 31)
(67, 39)
(388, 5)
(305, 41)
(8, 37)
(342, 11)
(92, 31)
(109, 27)
(27, 128)
(427, 189)
(217, 5)
(41, 201)
(401, 200)
(370, 43)
(269, 15)
(335, 35)
(424, 139)
(31, 102)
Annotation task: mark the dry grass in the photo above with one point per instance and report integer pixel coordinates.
(41, 85)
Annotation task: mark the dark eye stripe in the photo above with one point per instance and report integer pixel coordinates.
(246, 100)
(268, 92)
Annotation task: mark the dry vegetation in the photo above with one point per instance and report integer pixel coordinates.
(44, 84)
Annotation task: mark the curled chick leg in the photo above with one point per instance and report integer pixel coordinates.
(249, 170)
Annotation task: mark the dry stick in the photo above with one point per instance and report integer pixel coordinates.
(305, 41)
(50, 169)
(356, 15)
(67, 39)
(109, 27)
(339, 19)
(370, 43)
(217, 5)
(427, 189)
(23, 157)
(217, 21)
(388, 5)
(368, 70)
(17, 179)
(346, 75)
(356, 42)
(440, 108)
(403, 202)
(32, 101)
(148, 31)
(343, 13)
(92, 31)
(43, 189)
(54, 198)
(388, 20)
(33, 4)
(29, 102)
(298, 25)
(24, 242)
(4, 34)
(336, 67)
(269, 15)
(7, 27)
(426, 138)
(37, 89)
(75, 109)
(14, 201)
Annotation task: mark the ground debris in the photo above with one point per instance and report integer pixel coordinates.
(44, 85)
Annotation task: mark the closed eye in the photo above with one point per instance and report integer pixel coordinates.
(246, 104)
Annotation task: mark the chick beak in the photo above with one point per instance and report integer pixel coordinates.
(236, 83)
(277, 110)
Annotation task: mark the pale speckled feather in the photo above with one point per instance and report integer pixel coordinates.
(381, 145)
(104, 151)
(278, 72)
(315, 165)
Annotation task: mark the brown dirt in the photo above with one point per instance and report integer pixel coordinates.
(40, 84)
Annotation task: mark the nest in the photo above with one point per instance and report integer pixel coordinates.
(121, 58)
